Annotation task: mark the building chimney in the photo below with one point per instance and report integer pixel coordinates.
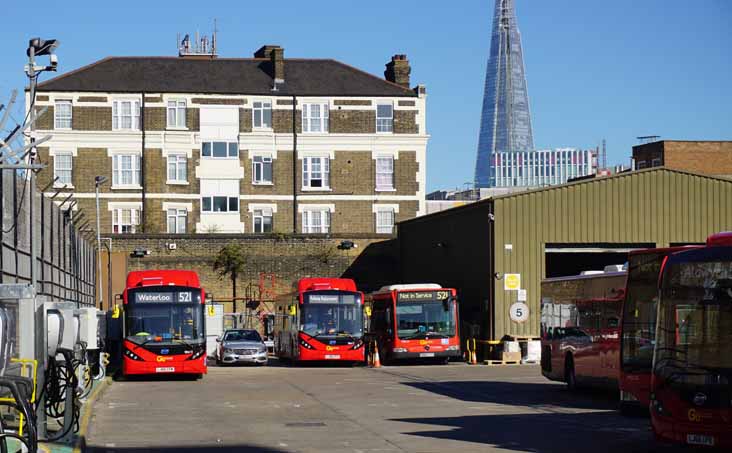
(397, 70)
(276, 56)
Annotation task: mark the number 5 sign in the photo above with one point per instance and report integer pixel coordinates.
(519, 312)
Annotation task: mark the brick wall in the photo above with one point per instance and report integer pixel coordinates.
(352, 121)
(91, 118)
(245, 120)
(282, 121)
(405, 122)
(281, 175)
(288, 258)
(711, 158)
(155, 119)
(45, 121)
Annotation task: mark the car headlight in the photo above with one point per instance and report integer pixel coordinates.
(228, 351)
(262, 349)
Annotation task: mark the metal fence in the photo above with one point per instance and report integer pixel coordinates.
(45, 241)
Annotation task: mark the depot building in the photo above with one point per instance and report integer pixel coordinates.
(496, 251)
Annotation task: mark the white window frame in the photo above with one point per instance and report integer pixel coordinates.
(259, 113)
(117, 171)
(385, 124)
(179, 111)
(117, 214)
(228, 149)
(261, 213)
(118, 116)
(324, 172)
(323, 221)
(180, 220)
(57, 118)
(265, 159)
(178, 161)
(70, 169)
(381, 227)
(315, 124)
(228, 204)
(382, 187)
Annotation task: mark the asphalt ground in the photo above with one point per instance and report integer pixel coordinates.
(415, 408)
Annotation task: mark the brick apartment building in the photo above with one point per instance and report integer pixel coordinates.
(712, 158)
(200, 144)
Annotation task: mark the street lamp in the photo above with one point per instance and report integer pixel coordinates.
(98, 181)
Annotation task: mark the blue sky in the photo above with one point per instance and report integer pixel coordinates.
(596, 68)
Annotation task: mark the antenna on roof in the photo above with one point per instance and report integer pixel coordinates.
(201, 47)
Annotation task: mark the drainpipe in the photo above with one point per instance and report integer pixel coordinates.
(294, 164)
(490, 308)
(142, 163)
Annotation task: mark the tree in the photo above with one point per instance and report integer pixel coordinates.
(231, 261)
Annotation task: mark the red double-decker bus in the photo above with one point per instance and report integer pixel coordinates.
(321, 321)
(639, 326)
(415, 321)
(163, 323)
(691, 384)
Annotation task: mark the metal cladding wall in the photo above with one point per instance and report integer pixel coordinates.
(659, 206)
(452, 247)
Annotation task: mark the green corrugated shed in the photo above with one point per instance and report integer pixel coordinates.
(658, 206)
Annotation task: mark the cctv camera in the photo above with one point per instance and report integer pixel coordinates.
(54, 61)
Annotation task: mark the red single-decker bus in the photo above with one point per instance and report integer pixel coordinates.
(321, 321)
(163, 323)
(691, 384)
(415, 321)
(638, 326)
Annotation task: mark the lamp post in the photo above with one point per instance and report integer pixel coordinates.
(98, 181)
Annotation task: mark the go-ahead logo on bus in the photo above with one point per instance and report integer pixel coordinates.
(512, 282)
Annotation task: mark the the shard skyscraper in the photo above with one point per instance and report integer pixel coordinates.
(505, 125)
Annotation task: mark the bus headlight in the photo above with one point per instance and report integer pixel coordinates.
(197, 354)
(132, 355)
(452, 348)
(660, 410)
(399, 349)
(305, 344)
(357, 344)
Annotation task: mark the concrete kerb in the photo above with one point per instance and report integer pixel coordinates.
(79, 440)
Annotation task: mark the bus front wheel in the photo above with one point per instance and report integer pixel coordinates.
(569, 375)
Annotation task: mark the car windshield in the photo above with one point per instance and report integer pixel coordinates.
(331, 314)
(695, 323)
(155, 315)
(425, 318)
(242, 335)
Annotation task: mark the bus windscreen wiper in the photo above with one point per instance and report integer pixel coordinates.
(184, 342)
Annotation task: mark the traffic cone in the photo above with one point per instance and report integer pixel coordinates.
(473, 356)
(377, 362)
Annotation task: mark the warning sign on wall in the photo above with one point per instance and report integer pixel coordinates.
(512, 282)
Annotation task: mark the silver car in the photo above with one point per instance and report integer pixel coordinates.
(241, 346)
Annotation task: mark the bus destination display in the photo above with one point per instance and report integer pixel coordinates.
(168, 297)
(416, 296)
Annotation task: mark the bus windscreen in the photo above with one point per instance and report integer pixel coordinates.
(419, 319)
(332, 314)
(164, 315)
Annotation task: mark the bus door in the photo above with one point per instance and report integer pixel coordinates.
(610, 338)
(584, 338)
(381, 323)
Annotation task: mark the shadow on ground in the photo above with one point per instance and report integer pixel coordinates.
(520, 394)
(182, 449)
(553, 432)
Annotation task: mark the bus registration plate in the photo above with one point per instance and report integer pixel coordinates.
(699, 439)
(165, 369)
(332, 357)
(427, 354)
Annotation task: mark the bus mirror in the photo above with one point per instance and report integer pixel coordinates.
(368, 311)
(115, 311)
(293, 310)
(448, 302)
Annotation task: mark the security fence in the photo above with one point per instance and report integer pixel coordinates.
(45, 241)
